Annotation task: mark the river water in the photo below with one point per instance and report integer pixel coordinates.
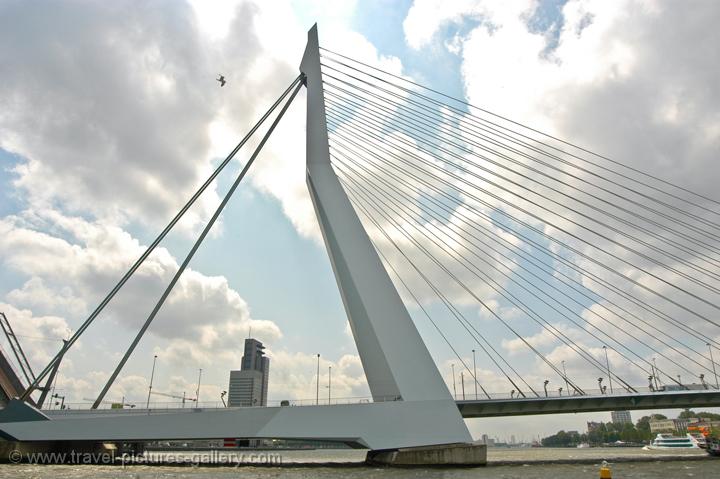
(538, 463)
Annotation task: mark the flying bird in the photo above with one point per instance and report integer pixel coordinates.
(221, 80)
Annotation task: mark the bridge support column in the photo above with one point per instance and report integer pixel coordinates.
(397, 365)
(461, 455)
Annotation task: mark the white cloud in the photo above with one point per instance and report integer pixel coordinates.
(112, 117)
(36, 295)
(115, 125)
(44, 333)
(426, 17)
(294, 376)
(202, 314)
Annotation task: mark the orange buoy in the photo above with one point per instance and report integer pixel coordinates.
(605, 471)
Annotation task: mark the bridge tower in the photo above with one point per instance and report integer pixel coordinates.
(396, 362)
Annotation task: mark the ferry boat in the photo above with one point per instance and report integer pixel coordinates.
(668, 442)
(700, 438)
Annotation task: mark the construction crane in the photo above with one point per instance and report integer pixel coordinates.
(174, 396)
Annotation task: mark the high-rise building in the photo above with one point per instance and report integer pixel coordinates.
(593, 426)
(249, 385)
(621, 417)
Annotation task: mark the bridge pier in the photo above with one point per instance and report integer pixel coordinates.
(459, 455)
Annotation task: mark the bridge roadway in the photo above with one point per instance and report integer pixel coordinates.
(590, 403)
(475, 408)
(355, 424)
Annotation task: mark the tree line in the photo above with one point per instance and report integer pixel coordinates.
(607, 433)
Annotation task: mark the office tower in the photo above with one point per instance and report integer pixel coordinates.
(621, 417)
(249, 385)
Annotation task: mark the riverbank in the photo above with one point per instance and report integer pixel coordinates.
(344, 458)
(530, 463)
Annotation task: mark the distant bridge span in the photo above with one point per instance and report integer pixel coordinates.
(577, 404)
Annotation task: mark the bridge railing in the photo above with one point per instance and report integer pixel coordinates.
(174, 406)
(618, 391)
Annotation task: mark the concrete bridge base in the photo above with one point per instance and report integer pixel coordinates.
(457, 455)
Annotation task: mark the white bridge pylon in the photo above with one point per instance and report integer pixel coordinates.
(398, 366)
(395, 359)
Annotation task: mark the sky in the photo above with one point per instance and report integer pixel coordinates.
(110, 118)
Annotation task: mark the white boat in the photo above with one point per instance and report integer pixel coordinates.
(668, 442)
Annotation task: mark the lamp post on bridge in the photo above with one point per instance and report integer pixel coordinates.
(717, 385)
(317, 382)
(454, 387)
(607, 361)
(329, 383)
(62, 399)
(475, 374)
(567, 386)
(197, 391)
(462, 383)
(152, 376)
(547, 381)
(655, 373)
(600, 385)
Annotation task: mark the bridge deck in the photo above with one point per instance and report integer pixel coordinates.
(497, 407)
(575, 404)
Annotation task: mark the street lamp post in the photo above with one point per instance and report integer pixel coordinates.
(567, 386)
(329, 383)
(222, 398)
(545, 387)
(475, 374)
(454, 387)
(462, 383)
(600, 386)
(152, 376)
(607, 361)
(656, 373)
(317, 382)
(197, 391)
(717, 385)
(62, 398)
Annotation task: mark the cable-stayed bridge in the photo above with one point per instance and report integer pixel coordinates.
(605, 277)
